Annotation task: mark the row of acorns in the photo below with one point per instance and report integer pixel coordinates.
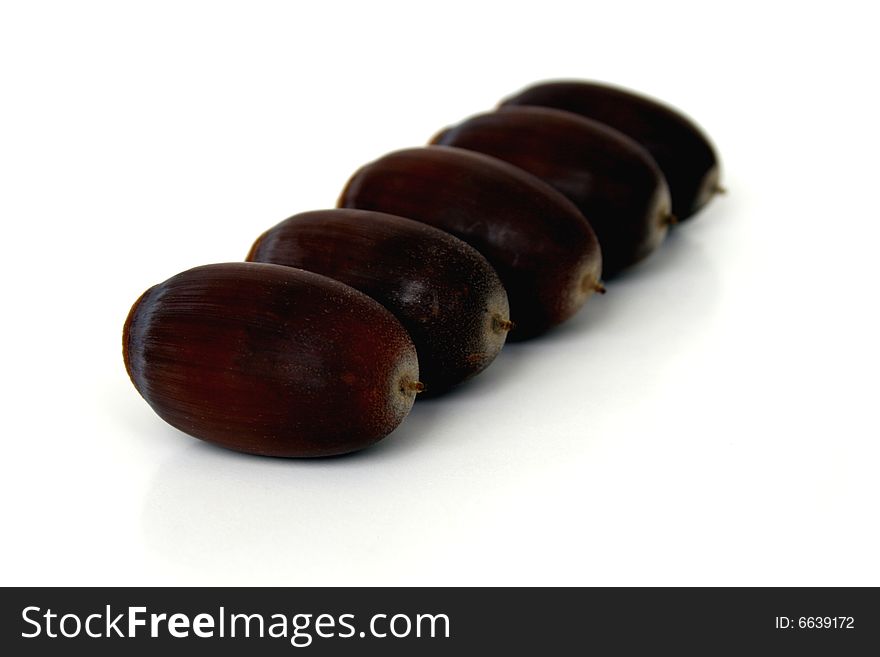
(435, 257)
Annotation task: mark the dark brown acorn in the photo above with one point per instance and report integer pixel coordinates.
(446, 295)
(543, 249)
(270, 360)
(680, 148)
(612, 180)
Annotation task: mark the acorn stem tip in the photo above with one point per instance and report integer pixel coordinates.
(413, 386)
(501, 325)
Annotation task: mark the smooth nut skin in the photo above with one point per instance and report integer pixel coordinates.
(446, 295)
(543, 249)
(681, 149)
(270, 360)
(612, 180)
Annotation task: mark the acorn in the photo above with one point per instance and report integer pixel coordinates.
(270, 360)
(446, 295)
(542, 247)
(681, 149)
(612, 180)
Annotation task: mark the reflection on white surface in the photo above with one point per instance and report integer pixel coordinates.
(209, 510)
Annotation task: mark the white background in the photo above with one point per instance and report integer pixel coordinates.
(712, 420)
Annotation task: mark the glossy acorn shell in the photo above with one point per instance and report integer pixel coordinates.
(442, 290)
(543, 249)
(612, 180)
(270, 360)
(681, 149)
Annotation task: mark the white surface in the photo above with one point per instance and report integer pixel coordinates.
(712, 420)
